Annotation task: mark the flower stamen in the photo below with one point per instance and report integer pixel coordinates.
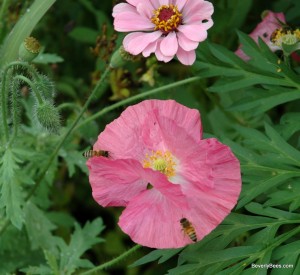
(162, 162)
(286, 36)
(167, 18)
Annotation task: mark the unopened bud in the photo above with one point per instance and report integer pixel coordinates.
(120, 57)
(48, 117)
(29, 49)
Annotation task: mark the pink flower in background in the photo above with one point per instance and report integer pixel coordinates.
(164, 27)
(161, 171)
(271, 22)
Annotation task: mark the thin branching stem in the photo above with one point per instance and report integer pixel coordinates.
(114, 261)
(137, 97)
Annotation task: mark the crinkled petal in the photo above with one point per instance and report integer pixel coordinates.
(152, 217)
(136, 42)
(194, 32)
(185, 43)
(132, 21)
(169, 44)
(163, 2)
(186, 57)
(115, 182)
(210, 205)
(127, 136)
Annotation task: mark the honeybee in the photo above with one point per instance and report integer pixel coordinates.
(188, 229)
(92, 153)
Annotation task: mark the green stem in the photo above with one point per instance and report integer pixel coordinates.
(66, 135)
(33, 88)
(4, 103)
(136, 97)
(113, 262)
(14, 108)
(60, 144)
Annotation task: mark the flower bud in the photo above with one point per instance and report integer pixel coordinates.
(48, 117)
(120, 57)
(45, 87)
(29, 49)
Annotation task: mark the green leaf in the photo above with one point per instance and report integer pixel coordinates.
(291, 154)
(48, 58)
(74, 158)
(81, 240)
(257, 208)
(83, 34)
(39, 228)
(162, 254)
(11, 192)
(23, 28)
(259, 100)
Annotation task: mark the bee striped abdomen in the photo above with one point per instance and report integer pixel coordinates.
(92, 153)
(188, 229)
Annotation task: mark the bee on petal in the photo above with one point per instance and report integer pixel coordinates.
(188, 229)
(95, 153)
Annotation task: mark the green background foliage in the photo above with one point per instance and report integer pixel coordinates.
(49, 223)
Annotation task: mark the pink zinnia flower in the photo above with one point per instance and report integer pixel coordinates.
(271, 22)
(161, 171)
(164, 27)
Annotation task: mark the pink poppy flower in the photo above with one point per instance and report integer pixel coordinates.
(271, 22)
(161, 171)
(164, 27)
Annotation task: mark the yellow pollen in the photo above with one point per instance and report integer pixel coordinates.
(286, 36)
(166, 18)
(162, 162)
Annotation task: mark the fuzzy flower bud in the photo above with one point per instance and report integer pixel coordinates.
(29, 49)
(48, 117)
(45, 87)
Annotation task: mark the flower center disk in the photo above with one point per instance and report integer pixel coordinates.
(167, 18)
(162, 162)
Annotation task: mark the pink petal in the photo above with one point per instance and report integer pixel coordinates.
(122, 7)
(135, 2)
(126, 137)
(180, 4)
(186, 57)
(169, 44)
(151, 48)
(163, 2)
(185, 43)
(155, 3)
(194, 32)
(131, 21)
(211, 205)
(145, 9)
(136, 42)
(115, 182)
(161, 57)
(197, 7)
(152, 219)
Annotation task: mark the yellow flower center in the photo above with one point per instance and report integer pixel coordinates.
(166, 18)
(162, 162)
(286, 36)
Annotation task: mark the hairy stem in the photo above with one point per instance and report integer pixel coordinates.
(67, 134)
(114, 261)
(136, 97)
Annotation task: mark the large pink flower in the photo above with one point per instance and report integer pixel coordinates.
(164, 27)
(271, 21)
(161, 171)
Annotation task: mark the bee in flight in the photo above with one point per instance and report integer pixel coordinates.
(92, 153)
(188, 229)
